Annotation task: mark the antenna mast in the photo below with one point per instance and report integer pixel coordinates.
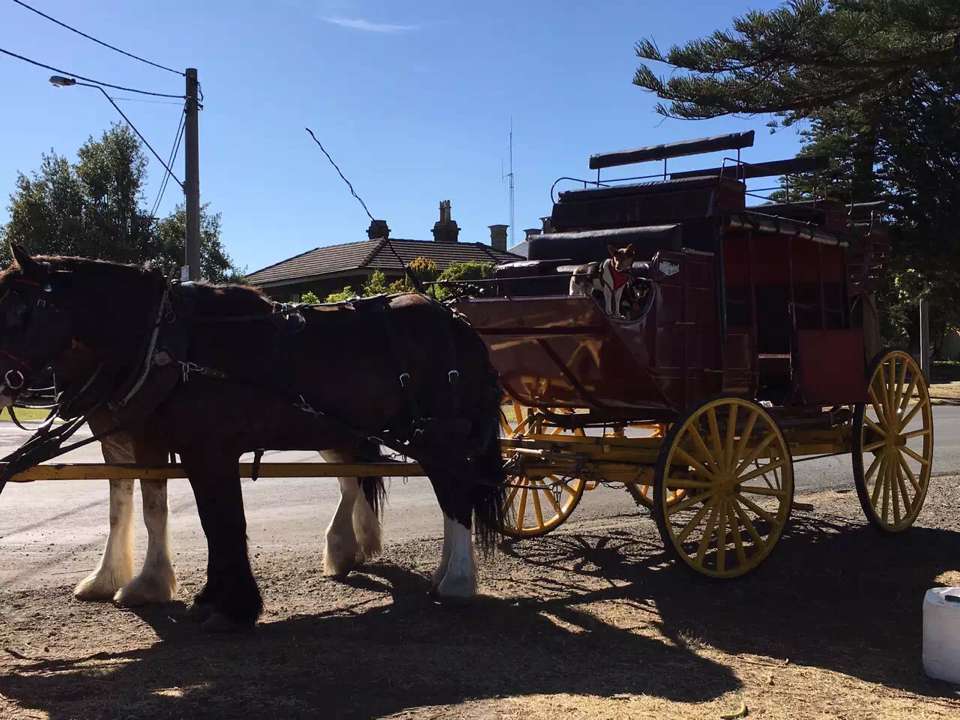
(513, 239)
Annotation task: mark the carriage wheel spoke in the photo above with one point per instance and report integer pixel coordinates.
(909, 416)
(904, 493)
(757, 509)
(763, 445)
(735, 530)
(901, 379)
(762, 470)
(747, 433)
(553, 501)
(687, 458)
(513, 494)
(702, 447)
(689, 502)
(874, 446)
(707, 533)
(878, 485)
(908, 472)
(686, 484)
(895, 493)
(722, 538)
(521, 513)
(873, 467)
(915, 434)
(538, 511)
(908, 395)
(880, 430)
(877, 405)
(748, 524)
(693, 523)
(914, 454)
(769, 492)
(890, 385)
(886, 492)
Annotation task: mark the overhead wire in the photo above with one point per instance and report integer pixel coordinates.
(174, 151)
(87, 79)
(99, 42)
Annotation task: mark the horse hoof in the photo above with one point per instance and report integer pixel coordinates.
(220, 623)
(95, 588)
(143, 591)
(199, 612)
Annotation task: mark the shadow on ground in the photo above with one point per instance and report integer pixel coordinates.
(834, 595)
(366, 663)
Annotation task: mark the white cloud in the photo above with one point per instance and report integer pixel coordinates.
(368, 26)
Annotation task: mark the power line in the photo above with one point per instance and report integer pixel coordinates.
(99, 42)
(170, 161)
(342, 177)
(89, 80)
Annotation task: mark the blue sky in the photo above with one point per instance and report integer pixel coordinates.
(413, 99)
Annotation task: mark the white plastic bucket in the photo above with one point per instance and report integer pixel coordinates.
(941, 633)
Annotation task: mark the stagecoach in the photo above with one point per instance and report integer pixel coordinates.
(747, 342)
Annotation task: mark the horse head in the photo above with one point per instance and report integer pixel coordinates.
(35, 322)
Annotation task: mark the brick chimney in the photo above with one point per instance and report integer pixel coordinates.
(378, 229)
(547, 224)
(530, 233)
(498, 237)
(445, 229)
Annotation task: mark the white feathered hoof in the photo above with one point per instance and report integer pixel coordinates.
(457, 587)
(340, 557)
(159, 587)
(99, 586)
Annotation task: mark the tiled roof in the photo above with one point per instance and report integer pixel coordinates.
(373, 255)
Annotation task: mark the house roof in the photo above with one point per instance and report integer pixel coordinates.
(372, 255)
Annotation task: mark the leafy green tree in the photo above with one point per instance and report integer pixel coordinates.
(95, 208)
(310, 298)
(348, 293)
(461, 272)
(878, 82)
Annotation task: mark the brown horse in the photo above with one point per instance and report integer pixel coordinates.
(210, 372)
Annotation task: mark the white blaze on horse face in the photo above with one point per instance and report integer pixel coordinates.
(460, 578)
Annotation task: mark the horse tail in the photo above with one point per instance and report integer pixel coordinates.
(373, 486)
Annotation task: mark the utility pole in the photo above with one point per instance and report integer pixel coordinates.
(925, 338)
(191, 184)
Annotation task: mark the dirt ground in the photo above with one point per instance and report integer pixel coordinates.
(590, 622)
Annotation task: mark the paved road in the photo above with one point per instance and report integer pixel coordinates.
(51, 532)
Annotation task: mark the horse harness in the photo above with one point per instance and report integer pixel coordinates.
(166, 364)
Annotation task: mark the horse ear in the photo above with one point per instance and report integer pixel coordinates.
(29, 266)
(612, 250)
(629, 249)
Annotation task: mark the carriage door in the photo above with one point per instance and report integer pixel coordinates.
(687, 327)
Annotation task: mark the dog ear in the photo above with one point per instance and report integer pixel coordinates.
(30, 267)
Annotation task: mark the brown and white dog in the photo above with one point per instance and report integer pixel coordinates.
(615, 276)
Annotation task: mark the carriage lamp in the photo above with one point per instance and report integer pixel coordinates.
(61, 81)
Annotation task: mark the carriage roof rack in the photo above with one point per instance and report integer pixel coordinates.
(745, 170)
(732, 141)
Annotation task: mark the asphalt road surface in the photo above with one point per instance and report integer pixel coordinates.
(52, 532)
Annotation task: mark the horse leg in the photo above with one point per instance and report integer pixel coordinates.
(116, 565)
(342, 551)
(156, 582)
(230, 600)
(458, 565)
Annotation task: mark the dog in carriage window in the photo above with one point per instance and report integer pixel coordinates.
(615, 277)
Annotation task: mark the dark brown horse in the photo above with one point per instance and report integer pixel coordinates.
(211, 372)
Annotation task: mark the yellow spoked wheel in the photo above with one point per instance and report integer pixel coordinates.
(536, 505)
(893, 440)
(734, 466)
